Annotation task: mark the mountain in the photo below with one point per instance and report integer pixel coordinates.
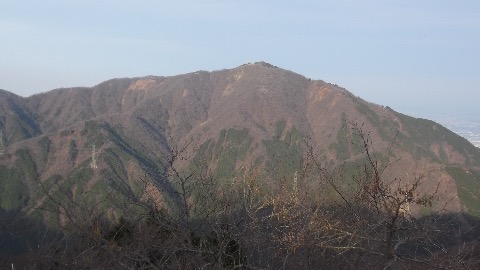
(120, 134)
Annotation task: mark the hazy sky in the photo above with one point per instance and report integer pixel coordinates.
(410, 55)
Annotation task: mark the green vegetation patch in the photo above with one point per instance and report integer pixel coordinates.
(25, 164)
(349, 141)
(280, 127)
(46, 185)
(13, 192)
(383, 127)
(443, 155)
(71, 192)
(45, 145)
(91, 127)
(468, 187)
(341, 145)
(235, 147)
(23, 126)
(284, 155)
(422, 133)
(112, 157)
(80, 177)
(231, 147)
(73, 150)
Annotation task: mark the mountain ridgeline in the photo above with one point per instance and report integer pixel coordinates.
(81, 143)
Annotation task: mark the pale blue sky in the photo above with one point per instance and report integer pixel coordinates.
(410, 55)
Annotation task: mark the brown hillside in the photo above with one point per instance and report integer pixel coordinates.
(255, 107)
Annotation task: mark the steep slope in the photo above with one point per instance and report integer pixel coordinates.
(228, 121)
(16, 121)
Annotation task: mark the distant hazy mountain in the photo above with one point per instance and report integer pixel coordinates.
(229, 121)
